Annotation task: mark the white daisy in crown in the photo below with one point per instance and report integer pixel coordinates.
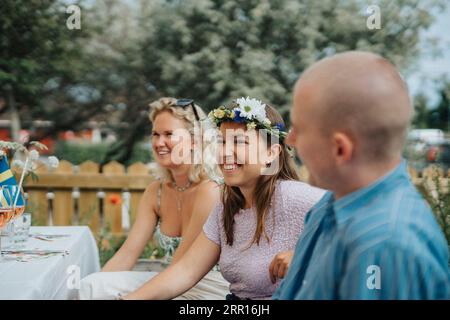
(251, 108)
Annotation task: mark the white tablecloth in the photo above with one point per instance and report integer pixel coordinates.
(52, 277)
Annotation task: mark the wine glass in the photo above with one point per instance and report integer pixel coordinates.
(18, 207)
(18, 200)
(6, 211)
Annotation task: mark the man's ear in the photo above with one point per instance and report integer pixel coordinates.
(343, 148)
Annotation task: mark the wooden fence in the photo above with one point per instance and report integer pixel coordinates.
(73, 195)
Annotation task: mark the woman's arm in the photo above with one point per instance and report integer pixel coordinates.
(140, 234)
(207, 197)
(181, 276)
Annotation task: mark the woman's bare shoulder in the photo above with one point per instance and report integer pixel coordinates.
(150, 193)
(153, 186)
(208, 187)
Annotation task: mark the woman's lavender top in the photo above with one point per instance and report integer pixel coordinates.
(247, 268)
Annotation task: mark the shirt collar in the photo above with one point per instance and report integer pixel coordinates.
(345, 208)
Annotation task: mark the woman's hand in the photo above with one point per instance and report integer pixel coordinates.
(280, 264)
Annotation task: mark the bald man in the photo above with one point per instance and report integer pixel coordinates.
(372, 236)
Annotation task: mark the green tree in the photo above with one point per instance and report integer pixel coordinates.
(440, 115)
(37, 58)
(422, 112)
(115, 51)
(212, 50)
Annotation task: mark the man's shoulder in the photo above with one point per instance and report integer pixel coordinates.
(399, 219)
(398, 203)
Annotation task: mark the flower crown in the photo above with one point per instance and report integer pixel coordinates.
(250, 111)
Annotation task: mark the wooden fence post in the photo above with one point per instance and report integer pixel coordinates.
(63, 202)
(112, 209)
(136, 169)
(88, 203)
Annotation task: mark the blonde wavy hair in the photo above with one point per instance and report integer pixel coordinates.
(206, 169)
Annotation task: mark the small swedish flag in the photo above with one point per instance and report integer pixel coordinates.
(7, 179)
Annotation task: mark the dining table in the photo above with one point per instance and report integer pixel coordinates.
(49, 265)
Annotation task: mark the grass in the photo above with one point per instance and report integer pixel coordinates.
(108, 244)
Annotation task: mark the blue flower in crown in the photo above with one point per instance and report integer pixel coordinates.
(280, 127)
(237, 116)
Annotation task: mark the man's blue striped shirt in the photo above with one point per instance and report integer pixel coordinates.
(380, 242)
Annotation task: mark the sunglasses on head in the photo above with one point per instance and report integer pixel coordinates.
(186, 103)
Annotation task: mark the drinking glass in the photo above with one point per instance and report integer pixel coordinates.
(6, 212)
(20, 230)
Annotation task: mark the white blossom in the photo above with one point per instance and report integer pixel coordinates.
(251, 108)
(53, 162)
(267, 122)
(18, 163)
(34, 155)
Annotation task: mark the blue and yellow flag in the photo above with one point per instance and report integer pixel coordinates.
(7, 179)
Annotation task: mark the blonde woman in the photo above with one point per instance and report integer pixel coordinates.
(174, 208)
(252, 232)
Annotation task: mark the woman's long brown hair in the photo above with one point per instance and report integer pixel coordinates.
(233, 200)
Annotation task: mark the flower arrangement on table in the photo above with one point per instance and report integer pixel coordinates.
(12, 199)
(249, 111)
(8, 149)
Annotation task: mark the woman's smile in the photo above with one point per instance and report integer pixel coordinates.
(231, 168)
